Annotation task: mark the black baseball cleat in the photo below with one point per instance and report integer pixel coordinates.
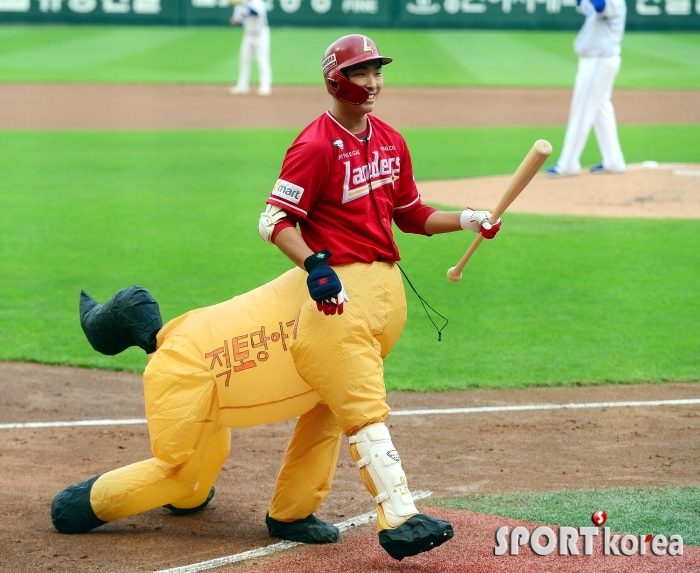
(307, 530)
(191, 510)
(418, 534)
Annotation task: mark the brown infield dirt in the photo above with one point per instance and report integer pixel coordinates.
(446, 454)
(492, 452)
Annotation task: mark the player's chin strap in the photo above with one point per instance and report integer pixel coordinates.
(425, 303)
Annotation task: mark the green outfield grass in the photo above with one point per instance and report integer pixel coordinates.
(666, 511)
(553, 300)
(450, 153)
(422, 57)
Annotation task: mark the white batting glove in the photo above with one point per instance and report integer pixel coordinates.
(478, 221)
(474, 220)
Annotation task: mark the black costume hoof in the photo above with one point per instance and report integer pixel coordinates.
(420, 533)
(71, 511)
(130, 318)
(191, 510)
(307, 530)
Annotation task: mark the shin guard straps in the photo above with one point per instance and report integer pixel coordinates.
(375, 454)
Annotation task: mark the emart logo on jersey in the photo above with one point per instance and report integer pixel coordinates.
(565, 542)
(288, 191)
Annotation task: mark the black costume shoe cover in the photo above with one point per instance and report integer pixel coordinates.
(71, 511)
(191, 510)
(420, 533)
(307, 530)
(130, 318)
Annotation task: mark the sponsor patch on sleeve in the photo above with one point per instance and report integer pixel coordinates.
(288, 191)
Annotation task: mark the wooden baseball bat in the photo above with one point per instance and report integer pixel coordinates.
(523, 175)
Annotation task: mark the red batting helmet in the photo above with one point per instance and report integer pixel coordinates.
(343, 53)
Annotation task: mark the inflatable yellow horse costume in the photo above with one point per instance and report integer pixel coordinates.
(211, 369)
(235, 365)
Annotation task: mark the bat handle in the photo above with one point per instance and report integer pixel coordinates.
(455, 273)
(453, 276)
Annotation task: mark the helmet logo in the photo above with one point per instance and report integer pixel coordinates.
(368, 47)
(329, 63)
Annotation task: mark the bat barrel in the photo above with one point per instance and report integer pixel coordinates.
(537, 155)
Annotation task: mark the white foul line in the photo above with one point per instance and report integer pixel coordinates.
(426, 412)
(519, 407)
(275, 547)
(372, 515)
(129, 421)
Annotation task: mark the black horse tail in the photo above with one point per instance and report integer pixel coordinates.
(130, 318)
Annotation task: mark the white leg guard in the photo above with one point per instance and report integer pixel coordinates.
(378, 460)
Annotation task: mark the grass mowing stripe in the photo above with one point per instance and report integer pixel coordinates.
(639, 511)
(580, 300)
(153, 54)
(484, 65)
(94, 51)
(449, 153)
(530, 407)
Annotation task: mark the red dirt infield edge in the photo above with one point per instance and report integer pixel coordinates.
(470, 551)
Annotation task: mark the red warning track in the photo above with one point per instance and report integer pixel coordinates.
(471, 550)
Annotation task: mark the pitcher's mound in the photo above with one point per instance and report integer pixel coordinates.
(649, 189)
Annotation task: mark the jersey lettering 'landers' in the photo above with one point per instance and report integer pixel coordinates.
(344, 192)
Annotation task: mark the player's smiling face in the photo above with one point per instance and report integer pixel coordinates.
(369, 76)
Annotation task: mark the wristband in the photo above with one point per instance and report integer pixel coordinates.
(316, 260)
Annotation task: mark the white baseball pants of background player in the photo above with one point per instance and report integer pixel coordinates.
(258, 45)
(591, 106)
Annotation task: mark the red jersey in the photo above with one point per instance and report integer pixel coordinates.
(343, 191)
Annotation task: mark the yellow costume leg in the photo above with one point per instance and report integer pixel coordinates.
(182, 403)
(189, 444)
(308, 467)
(341, 357)
(154, 483)
(217, 451)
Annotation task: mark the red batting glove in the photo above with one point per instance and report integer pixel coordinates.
(490, 233)
(330, 307)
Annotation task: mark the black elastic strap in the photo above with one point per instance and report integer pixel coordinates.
(425, 303)
(316, 260)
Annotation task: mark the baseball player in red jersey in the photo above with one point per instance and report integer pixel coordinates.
(345, 178)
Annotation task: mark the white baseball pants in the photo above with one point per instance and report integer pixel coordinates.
(259, 46)
(591, 106)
